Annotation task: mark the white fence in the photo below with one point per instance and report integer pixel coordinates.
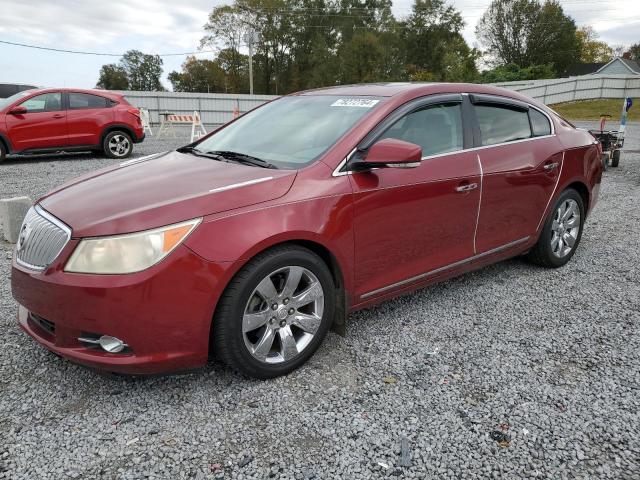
(219, 108)
(586, 87)
(214, 108)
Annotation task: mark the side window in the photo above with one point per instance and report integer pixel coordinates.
(79, 101)
(47, 102)
(501, 124)
(539, 123)
(437, 129)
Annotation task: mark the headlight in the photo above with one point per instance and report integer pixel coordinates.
(128, 253)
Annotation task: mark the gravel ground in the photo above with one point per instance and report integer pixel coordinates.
(512, 371)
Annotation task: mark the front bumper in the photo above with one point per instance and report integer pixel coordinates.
(163, 313)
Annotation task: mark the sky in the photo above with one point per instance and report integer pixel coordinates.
(170, 26)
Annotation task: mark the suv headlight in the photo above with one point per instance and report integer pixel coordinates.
(128, 253)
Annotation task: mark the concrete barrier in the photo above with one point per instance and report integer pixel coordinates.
(12, 213)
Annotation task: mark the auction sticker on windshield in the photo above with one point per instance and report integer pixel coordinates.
(354, 102)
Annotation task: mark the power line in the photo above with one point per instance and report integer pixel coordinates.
(98, 54)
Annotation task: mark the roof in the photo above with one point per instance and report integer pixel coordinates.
(631, 65)
(95, 91)
(583, 69)
(388, 89)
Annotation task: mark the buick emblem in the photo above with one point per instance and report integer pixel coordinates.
(25, 231)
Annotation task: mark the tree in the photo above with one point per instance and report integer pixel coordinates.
(198, 76)
(511, 73)
(634, 50)
(527, 33)
(113, 77)
(592, 50)
(134, 71)
(143, 71)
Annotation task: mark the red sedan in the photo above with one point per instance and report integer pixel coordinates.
(252, 242)
(51, 120)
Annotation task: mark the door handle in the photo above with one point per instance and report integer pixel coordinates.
(58, 115)
(551, 166)
(466, 188)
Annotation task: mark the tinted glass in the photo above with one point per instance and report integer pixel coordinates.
(47, 102)
(78, 101)
(539, 123)
(291, 132)
(437, 129)
(502, 124)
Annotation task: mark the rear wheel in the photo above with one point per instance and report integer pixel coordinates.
(3, 152)
(275, 312)
(615, 158)
(117, 144)
(561, 233)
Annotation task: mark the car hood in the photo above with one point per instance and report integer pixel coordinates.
(159, 190)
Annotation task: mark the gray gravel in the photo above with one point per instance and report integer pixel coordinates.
(512, 371)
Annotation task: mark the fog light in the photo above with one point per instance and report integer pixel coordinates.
(111, 344)
(106, 342)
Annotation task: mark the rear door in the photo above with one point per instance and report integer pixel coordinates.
(521, 162)
(43, 126)
(87, 116)
(410, 222)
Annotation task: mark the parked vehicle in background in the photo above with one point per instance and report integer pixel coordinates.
(251, 242)
(8, 89)
(50, 120)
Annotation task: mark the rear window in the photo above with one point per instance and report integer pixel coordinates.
(80, 101)
(501, 124)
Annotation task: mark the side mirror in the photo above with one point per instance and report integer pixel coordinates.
(19, 110)
(392, 152)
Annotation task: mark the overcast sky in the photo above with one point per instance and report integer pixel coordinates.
(167, 26)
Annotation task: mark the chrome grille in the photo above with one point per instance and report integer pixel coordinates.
(42, 238)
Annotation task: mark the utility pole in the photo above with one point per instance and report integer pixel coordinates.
(251, 37)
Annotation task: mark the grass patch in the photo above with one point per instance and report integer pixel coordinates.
(592, 109)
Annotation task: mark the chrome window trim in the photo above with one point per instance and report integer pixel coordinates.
(445, 268)
(58, 223)
(338, 173)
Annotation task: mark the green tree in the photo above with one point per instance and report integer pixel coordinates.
(634, 50)
(198, 76)
(143, 71)
(134, 71)
(511, 73)
(528, 33)
(113, 77)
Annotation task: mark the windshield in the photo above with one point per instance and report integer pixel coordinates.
(16, 96)
(291, 132)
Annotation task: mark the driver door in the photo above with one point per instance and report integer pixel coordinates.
(410, 222)
(44, 125)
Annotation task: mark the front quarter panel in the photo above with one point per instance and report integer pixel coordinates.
(318, 209)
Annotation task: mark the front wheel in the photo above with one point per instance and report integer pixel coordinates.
(3, 152)
(615, 158)
(117, 144)
(275, 312)
(561, 233)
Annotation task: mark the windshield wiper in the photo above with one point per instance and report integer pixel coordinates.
(242, 158)
(200, 153)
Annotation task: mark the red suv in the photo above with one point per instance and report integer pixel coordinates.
(47, 120)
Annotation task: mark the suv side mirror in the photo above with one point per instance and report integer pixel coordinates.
(391, 152)
(19, 110)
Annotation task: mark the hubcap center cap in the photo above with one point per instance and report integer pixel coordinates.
(282, 313)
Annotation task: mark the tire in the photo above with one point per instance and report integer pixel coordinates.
(605, 161)
(250, 335)
(554, 248)
(3, 152)
(117, 144)
(615, 158)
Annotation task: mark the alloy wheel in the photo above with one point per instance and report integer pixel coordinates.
(283, 314)
(565, 228)
(119, 145)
